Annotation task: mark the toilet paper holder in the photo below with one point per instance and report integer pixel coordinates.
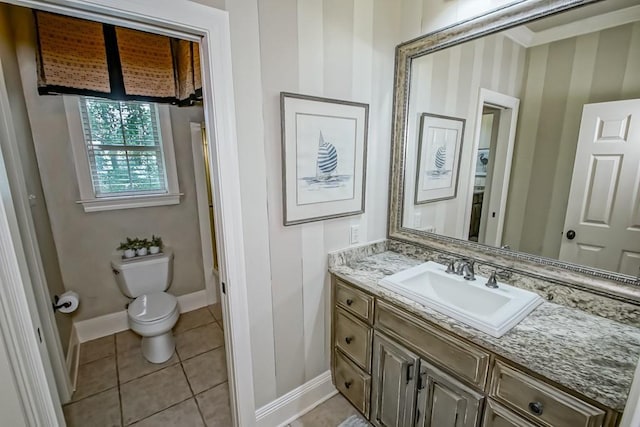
(57, 306)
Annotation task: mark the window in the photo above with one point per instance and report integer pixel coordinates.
(123, 153)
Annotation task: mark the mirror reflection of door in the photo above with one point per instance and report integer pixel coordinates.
(602, 223)
(483, 172)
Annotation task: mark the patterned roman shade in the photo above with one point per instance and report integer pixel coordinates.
(81, 57)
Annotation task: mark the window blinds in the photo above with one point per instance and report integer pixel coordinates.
(124, 147)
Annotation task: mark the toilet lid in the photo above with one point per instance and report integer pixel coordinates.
(150, 307)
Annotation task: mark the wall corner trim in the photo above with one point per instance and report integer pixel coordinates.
(108, 324)
(297, 402)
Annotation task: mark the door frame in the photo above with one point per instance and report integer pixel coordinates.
(211, 275)
(33, 258)
(509, 107)
(190, 21)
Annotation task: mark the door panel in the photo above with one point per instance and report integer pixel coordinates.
(394, 384)
(601, 190)
(603, 208)
(444, 401)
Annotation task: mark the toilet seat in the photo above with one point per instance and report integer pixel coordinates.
(152, 307)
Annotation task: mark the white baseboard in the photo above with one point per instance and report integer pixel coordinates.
(73, 357)
(297, 402)
(113, 323)
(192, 301)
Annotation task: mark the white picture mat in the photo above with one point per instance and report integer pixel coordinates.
(306, 208)
(438, 158)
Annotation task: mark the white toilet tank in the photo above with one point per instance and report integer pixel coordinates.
(138, 276)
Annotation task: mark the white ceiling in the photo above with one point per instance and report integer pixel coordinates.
(580, 13)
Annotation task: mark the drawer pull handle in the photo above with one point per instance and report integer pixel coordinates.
(349, 302)
(348, 340)
(535, 408)
(347, 384)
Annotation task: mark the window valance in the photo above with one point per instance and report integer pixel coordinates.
(81, 57)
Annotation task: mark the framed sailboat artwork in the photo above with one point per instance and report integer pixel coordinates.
(438, 162)
(324, 148)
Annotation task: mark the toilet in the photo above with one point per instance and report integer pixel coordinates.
(153, 312)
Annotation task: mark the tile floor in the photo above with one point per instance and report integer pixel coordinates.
(118, 387)
(330, 413)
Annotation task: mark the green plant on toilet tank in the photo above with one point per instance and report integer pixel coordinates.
(140, 247)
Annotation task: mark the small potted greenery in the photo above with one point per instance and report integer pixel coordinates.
(128, 247)
(155, 245)
(141, 247)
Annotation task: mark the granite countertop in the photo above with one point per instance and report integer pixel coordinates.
(592, 355)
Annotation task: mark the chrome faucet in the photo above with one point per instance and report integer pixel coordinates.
(465, 268)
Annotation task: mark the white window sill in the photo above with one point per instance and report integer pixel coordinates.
(129, 202)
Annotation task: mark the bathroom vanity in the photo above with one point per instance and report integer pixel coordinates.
(403, 364)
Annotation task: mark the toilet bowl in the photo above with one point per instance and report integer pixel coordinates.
(152, 312)
(153, 316)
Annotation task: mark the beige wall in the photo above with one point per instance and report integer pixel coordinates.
(562, 76)
(448, 83)
(336, 49)
(29, 170)
(85, 241)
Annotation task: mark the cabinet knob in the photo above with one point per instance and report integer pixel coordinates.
(349, 302)
(535, 408)
(347, 384)
(348, 340)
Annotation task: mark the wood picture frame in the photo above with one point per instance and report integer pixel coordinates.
(324, 149)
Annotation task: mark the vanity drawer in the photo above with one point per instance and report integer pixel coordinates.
(354, 301)
(541, 402)
(353, 383)
(353, 337)
(466, 361)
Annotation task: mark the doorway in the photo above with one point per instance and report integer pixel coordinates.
(496, 122)
(192, 21)
(483, 172)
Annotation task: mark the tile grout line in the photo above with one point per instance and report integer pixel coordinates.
(115, 348)
(157, 412)
(193, 395)
(153, 372)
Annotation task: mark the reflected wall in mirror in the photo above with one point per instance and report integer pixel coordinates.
(550, 163)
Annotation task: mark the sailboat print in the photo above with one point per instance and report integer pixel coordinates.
(327, 160)
(327, 176)
(440, 159)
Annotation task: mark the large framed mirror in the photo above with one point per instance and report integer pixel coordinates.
(516, 141)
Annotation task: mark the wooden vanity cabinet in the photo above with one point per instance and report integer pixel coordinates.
(402, 371)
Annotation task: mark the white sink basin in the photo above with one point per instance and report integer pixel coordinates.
(493, 311)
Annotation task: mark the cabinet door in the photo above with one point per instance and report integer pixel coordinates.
(498, 416)
(393, 394)
(444, 401)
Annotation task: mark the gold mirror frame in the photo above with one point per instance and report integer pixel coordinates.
(610, 284)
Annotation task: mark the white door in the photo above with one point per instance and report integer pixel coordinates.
(602, 225)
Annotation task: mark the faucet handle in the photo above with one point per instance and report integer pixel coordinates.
(492, 282)
(451, 266)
